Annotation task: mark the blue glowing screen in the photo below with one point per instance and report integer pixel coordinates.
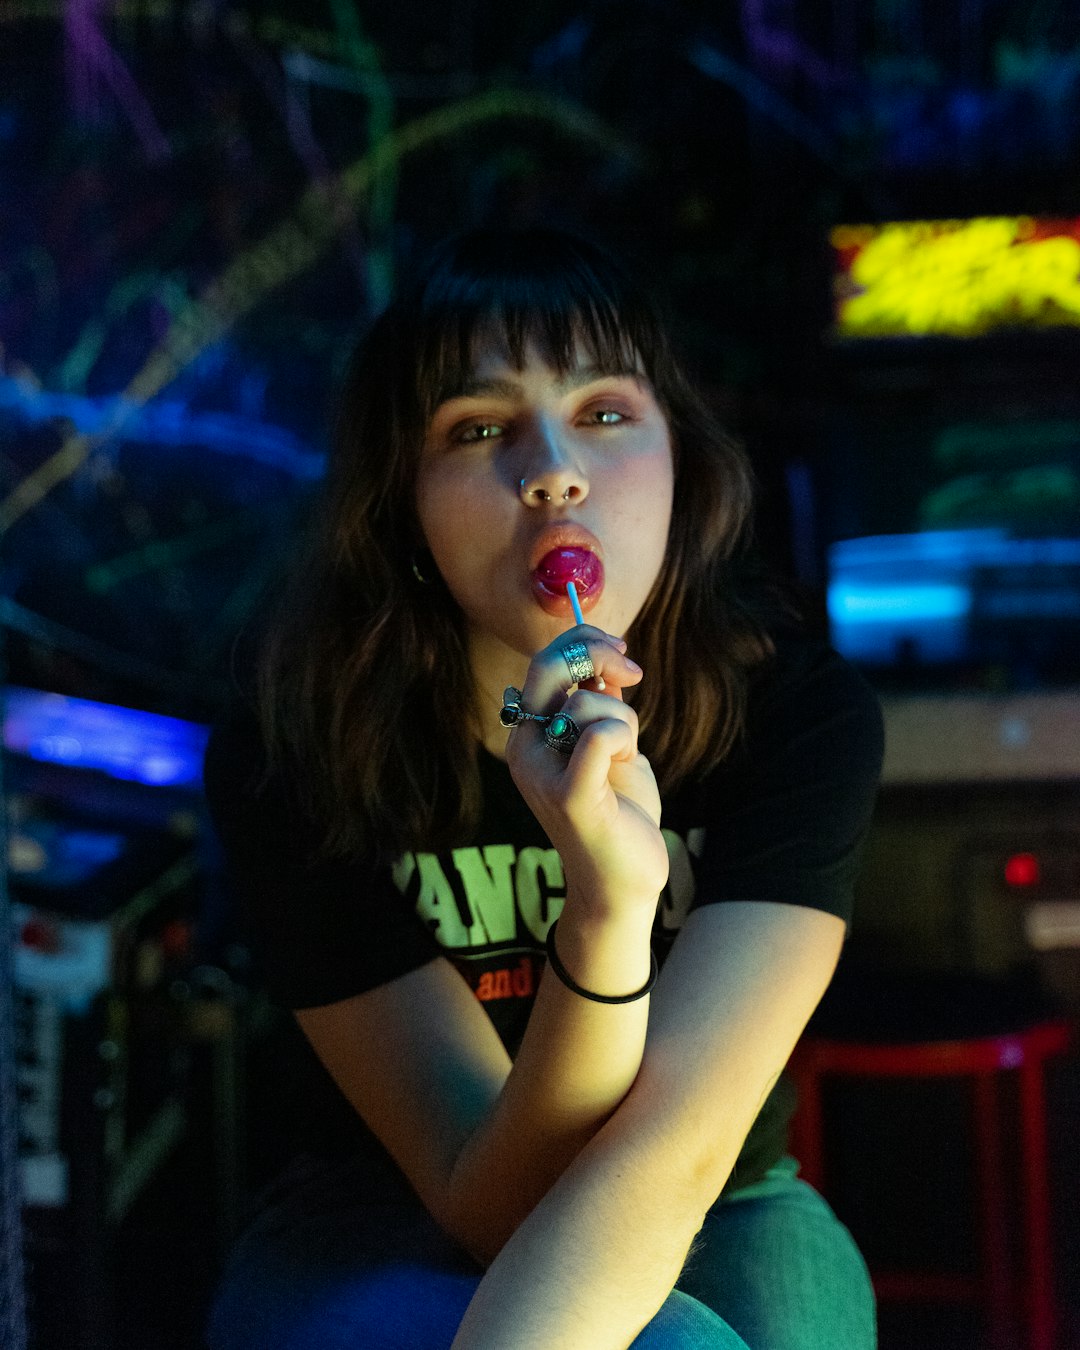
(927, 597)
(124, 743)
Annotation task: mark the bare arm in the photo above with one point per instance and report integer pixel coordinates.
(590, 1267)
(480, 1140)
(599, 1254)
(575, 1065)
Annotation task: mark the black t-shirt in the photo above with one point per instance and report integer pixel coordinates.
(782, 818)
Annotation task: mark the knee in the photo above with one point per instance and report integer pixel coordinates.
(254, 1310)
(246, 1316)
(683, 1323)
(400, 1304)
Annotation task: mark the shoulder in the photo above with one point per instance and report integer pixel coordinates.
(807, 693)
(323, 927)
(784, 816)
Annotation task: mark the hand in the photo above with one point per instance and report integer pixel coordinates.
(600, 805)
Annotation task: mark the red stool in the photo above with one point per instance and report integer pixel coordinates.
(981, 1059)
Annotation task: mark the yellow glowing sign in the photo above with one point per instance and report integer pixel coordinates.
(956, 278)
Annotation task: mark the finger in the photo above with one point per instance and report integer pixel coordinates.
(549, 675)
(598, 685)
(587, 773)
(580, 632)
(607, 732)
(586, 706)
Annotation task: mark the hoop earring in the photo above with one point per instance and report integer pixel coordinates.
(423, 567)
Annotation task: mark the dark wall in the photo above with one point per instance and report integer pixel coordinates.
(201, 206)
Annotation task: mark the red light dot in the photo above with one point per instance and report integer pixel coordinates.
(40, 936)
(1022, 869)
(176, 939)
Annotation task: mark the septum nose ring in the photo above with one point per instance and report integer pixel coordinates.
(542, 493)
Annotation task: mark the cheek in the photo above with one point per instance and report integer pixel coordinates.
(439, 503)
(646, 489)
(447, 536)
(461, 522)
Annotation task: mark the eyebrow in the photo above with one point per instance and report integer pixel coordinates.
(509, 389)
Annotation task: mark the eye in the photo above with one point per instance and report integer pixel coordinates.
(472, 432)
(604, 416)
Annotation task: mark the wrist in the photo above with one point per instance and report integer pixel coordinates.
(594, 899)
(610, 955)
(564, 976)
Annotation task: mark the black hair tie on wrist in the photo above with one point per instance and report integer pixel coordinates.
(567, 979)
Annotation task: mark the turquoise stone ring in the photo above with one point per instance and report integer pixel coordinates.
(562, 733)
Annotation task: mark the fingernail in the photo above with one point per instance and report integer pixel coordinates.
(633, 665)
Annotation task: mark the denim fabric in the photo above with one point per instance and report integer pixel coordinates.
(320, 1269)
(781, 1268)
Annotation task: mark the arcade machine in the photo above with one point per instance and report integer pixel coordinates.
(106, 890)
(950, 516)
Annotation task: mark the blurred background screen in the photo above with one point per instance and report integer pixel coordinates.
(952, 502)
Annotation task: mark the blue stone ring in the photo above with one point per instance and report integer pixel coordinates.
(562, 733)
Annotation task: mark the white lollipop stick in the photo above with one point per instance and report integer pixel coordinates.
(575, 604)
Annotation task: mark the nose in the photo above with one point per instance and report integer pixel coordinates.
(556, 476)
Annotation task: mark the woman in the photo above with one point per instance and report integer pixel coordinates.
(446, 762)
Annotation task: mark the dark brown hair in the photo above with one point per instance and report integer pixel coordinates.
(365, 691)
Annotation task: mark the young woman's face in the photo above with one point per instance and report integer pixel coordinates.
(528, 479)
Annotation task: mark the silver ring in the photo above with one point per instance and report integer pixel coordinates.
(580, 662)
(511, 712)
(562, 733)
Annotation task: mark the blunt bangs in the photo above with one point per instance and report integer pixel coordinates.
(531, 287)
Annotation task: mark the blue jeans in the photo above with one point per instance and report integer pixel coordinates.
(320, 1269)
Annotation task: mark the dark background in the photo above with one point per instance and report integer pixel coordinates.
(202, 205)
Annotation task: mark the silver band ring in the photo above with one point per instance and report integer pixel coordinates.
(562, 733)
(579, 661)
(511, 712)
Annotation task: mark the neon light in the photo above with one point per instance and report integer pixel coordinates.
(124, 743)
(94, 59)
(956, 278)
(927, 597)
(165, 422)
(1023, 869)
(868, 603)
(288, 250)
(950, 548)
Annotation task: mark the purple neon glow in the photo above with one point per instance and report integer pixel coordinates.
(123, 743)
(91, 62)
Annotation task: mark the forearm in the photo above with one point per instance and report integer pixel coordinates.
(576, 1063)
(594, 1261)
